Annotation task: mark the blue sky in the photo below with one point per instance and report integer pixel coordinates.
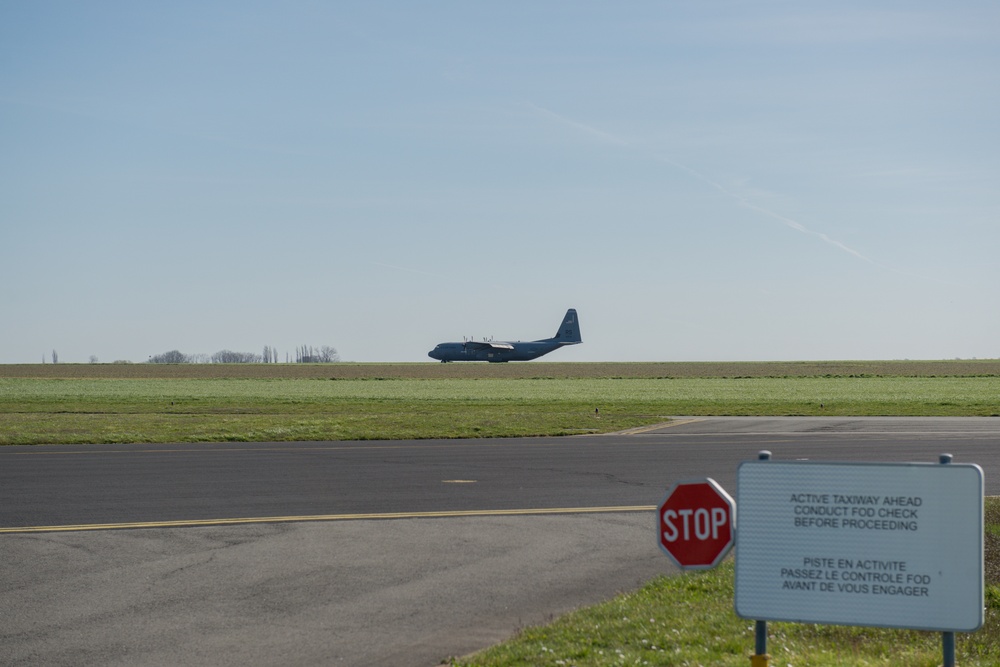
(701, 180)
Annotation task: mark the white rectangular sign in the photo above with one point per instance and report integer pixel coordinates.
(888, 545)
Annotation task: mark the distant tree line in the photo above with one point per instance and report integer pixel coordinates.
(322, 355)
(230, 357)
(171, 357)
(303, 355)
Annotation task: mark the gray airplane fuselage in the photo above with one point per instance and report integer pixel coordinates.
(503, 351)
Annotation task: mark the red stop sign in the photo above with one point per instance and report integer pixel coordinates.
(695, 523)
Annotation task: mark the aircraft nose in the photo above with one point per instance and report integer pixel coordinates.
(434, 354)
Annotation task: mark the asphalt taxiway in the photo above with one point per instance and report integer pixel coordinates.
(374, 553)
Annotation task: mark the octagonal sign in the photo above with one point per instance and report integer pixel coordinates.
(696, 524)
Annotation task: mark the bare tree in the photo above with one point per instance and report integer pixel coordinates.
(230, 357)
(55, 357)
(309, 355)
(171, 357)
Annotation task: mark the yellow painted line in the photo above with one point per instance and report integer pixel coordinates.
(190, 523)
(358, 446)
(210, 448)
(657, 427)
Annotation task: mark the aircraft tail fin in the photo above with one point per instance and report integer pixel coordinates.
(569, 330)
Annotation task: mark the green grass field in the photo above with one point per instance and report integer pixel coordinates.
(123, 403)
(682, 620)
(688, 620)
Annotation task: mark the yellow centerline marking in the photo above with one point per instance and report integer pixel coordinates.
(213, 448)
(656, 427)
(359, 446)
(190, 523)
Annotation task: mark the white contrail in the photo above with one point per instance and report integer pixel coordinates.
(788, 222)
(607, 137)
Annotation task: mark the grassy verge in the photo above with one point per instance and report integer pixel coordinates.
(268, 402)
(340, 420)
(514, 371)
(689, 620)
(682, 620)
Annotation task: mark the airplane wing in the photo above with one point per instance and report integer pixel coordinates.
(482, 345)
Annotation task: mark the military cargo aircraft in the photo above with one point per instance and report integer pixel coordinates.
(503, 351)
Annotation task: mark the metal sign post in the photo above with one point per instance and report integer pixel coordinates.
(761, 658)
(947, 638)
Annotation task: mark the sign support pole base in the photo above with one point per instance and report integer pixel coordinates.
(947, 638)
(948, 649)
(761, 659)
